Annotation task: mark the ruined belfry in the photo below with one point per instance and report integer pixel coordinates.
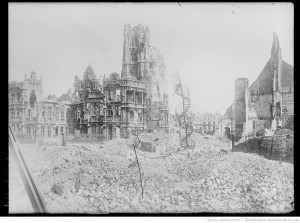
(145, 63)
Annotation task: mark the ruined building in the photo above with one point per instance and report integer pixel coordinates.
(125, 106)
(86, 114)
(136, 101)
(207, 123)
(145, 63)
(269, 101)
(273, 91)
(30, 114)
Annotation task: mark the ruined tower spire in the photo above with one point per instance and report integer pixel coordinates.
(275, 46)
(276, 63)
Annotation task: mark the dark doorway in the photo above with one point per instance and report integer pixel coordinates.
(56, 131)
(110, 131)
(227, 132)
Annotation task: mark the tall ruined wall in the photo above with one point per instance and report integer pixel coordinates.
(287, 107)
(136, 51)
(262, 105)
(239, 100)
(276, 63)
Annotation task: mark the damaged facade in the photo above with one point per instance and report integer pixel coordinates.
(125, 106)
(86, 115)
(145, 63)
(31, 115)
(207, 123)
(269, 101)
(134, 101)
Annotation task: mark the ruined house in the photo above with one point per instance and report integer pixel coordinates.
(145, 63)
(125, 106)
(273, 91)
(86, 114)
(269, 101)
(31, 115)
(207, 123)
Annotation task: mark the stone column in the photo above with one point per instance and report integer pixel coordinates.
(124, 95)
(142, 97)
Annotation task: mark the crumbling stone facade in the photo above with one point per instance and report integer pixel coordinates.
(125, 106)
(32, 116)
(269, 99)
(86, 115)
(273, 91)
(146, 64)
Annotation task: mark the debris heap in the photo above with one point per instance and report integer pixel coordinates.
(99, 178)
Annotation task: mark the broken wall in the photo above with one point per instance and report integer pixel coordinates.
(262, 105)
(287, 107)
(277, 147)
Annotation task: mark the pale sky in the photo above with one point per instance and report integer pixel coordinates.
(209, 44)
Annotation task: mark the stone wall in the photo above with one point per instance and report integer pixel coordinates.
(277, 147)
(287, 107)
(239, 110)
(262, 105)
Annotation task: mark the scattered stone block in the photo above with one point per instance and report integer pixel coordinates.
(57, 189)
(147, 147)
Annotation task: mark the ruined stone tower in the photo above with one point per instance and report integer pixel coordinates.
(276, 63)
(240, 104)
(145, 63)
(276, 71)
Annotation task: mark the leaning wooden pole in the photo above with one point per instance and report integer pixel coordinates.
(30, 186)
(137, 160)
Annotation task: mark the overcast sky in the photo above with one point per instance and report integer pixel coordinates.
(209, 44)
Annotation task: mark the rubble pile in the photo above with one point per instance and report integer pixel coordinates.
(279, 146)
(98, 178)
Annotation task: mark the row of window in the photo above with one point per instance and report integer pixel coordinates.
(15, 113)
(14, 100)
(209, 123)
(44, 130)
(18, 113)
(49, 113)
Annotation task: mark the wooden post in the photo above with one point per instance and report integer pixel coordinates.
(63, 143)
(271, 152)
(232, 142)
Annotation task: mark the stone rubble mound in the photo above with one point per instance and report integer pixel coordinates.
(98, 178)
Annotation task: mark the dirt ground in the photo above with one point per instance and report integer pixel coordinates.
(104, 178)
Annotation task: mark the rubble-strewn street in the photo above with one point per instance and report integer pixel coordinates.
(103, 177)
(126, 112)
